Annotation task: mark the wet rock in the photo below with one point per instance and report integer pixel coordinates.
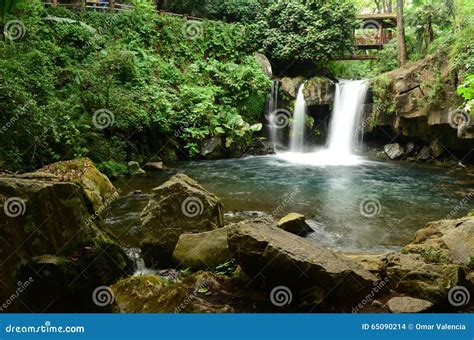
(409, 148)
(310, 272)
(264, 64)
(450, 241)
(291, 85)
(406, 304)
(295, 223)
(43, 217)
(204, 250)
(436, 149)
(96, 185)
(393, 151)
(319, 91)
(213, 148)
(181, 205)
(154, 166)
(424, 154)
(375, 264)
(134, 169)
(410, 274)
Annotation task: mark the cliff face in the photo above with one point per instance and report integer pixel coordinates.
(419, 101)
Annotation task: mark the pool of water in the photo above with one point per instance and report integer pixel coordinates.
(369, 207)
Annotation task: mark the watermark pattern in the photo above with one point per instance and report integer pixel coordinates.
(368, 26)
(370, 207)
(10, 123)
(193, 29)
(103, 296)
(46, 328)
(103, 119)
(281, 296)
(287, 199)
(459, 206)
(107, 203)
(14, 207)
(22, 286)
(378, 286)
(192, 207)
(190, 297)
(458, 118)
(459, 296)
(279, 119)
(14, 30)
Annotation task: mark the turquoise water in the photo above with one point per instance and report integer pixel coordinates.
(371, 207)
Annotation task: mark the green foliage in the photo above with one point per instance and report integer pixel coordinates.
(382, 97)
(163, 88)
(304, 30)
(227, 268)
(466, 91)
(113, 169)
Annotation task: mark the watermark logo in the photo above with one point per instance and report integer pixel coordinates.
(279, 118)
(14, 30)
(193, 29)
(459, 296)
(192, 207)
(103, 119)
(370, 207)
(367, 27)
(103, 296)
(281, 296)
(458, 118)
(14, 207)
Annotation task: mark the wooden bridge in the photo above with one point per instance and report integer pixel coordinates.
(375, 31)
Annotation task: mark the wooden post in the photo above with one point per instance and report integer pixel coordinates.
(111, 5)
(54, 3)
(381, 38)
(83, 5)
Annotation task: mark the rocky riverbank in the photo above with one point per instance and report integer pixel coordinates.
(54, 240)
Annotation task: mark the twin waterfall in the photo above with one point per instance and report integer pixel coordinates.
(344, 129)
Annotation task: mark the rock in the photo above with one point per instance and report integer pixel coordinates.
(204, 250)
(96, 185)
(409, 148)
(291, 85)
(264, 64)
(445, 241)
(52, 224)
(319, 91)
(202, 292)
(424, 154)
(154, 166)
(410, 274)
(373, 263)
(309, 271)
(377, 303)
(436, 149)
(213, 148)
(134, 169)
(295, 223)
(406, 304)
(393, 151)
(181, 205)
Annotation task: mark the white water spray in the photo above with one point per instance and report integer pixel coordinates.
(299, 122)
(343, 130)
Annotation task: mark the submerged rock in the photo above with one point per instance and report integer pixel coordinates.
(310, 272)
(134, 169)
(181, 205)
(52, 224)
(83, 172)
(204, 250)
(393, 151)
(154, 166)
(406, 304)
(295, 223)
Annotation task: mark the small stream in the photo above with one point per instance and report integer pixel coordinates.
(370, 207)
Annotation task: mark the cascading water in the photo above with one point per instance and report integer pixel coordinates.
(299, 122)
(343, 130)
(272, 107)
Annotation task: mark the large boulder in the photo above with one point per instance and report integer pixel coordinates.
(445, 241)
(291, 85)
(46, 224)
(295, 223)
(393, 151)
(319, 91)
(313, 274)
(410, 274)
(98, 188)
(204, 250)
(181, 205)
(265, 64)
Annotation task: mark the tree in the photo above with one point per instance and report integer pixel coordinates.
(401, 43)
(6, 6)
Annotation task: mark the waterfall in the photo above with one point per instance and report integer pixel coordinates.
(299, 122)
(272, 107)
(345, 121)
(343, 130)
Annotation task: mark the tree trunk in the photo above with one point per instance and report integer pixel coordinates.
(401, 44)
(389, 6)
